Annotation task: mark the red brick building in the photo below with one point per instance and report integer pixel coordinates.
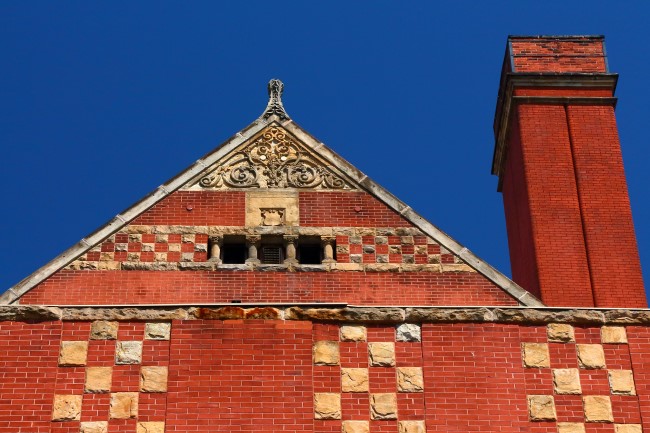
(273, 286)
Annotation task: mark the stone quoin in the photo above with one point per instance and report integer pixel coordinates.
(272, 286)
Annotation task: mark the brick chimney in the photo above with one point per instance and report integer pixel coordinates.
(558, 158)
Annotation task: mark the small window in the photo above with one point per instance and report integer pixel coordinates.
(272, 250)
(233, 250)
(310, 251)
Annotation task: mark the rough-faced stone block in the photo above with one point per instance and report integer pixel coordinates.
(598, 408)
(560, 333)
(383, 406)
(98, 379)
(73, 353)
(128, 352)
(591, 356)
(628, 428)
(541, 408)
(153, 379)
(570, 427)
(326, 353)
(411, 427)
(353, 333)
(408, 332)
(409, 379)
(151, 427)
(157, 331)
(355, 427)
(94, 427)
(622, 382)
(124, 405)
(354, 379)
(613, 335)
(535, 355)
(327, 405)
(103, 330)
(567, 381)
(66, 408)
(381, 354)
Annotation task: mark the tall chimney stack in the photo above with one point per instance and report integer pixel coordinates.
(558, 158)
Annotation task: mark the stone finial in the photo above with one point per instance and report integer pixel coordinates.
(275, 107)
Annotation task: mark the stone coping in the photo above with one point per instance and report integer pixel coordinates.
(330, 313)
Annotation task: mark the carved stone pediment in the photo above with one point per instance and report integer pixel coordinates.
(273, 160)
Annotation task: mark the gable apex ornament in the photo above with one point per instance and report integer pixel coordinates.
(275, 107)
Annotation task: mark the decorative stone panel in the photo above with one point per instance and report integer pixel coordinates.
(157, 331)
(535, 355)
(570, 427)
(73, 353)
(567, 381)
(381, 354)
(408, 332)
(591, 356)
(613, 334)
(66, 408)
(151, 427)
(541, 408)
(355, 427)
(353, 333)
(560, 333)
(124, 405)
(628, 428)
(327, 406)
(598, 408)
(383, 406)
(621, 382)
(153, 379)
(128, 352)
(94, 427)
(410, 379)
(98, 379)
(103, 330)
(411, 427)
(354, 379)
(326, 353)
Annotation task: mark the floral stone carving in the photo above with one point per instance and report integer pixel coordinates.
(274, 160)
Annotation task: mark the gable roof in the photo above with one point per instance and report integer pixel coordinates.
(274, 114)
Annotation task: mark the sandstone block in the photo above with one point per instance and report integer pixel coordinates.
(567, 381)
(157, 331)
(326, 353)
(327, 405)
(98, 379)
(598, 408)
(613, 335)
(628, 428)
(66, 408)
(73, 353)
(355, 427)
(622, 382)
(151, 427)
(353, 333)
(153, 379)
(541, 408)
(409, 379)
(412, 427)
(381, 354)
(591, 356)
(128, 352)
(383, 406)
(535, 355)
(103, 330)
(408, 332)
(94, 427)
(570, 427)
(124, 405)
(354, 379)
(560, 333)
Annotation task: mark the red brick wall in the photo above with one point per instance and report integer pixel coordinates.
(223, 208)
(558, 55)
(160, 287)
(346, 209)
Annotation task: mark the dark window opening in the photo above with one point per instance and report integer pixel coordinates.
(233, 250)
(309, 250)
(271, 254)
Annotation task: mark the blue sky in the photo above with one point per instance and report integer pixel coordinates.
(101, 102)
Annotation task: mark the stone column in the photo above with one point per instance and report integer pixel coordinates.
(290, 249)
(253, 243)
(328, 248)
(215, 248)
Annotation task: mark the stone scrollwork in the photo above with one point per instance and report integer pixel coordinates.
(274, 160)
